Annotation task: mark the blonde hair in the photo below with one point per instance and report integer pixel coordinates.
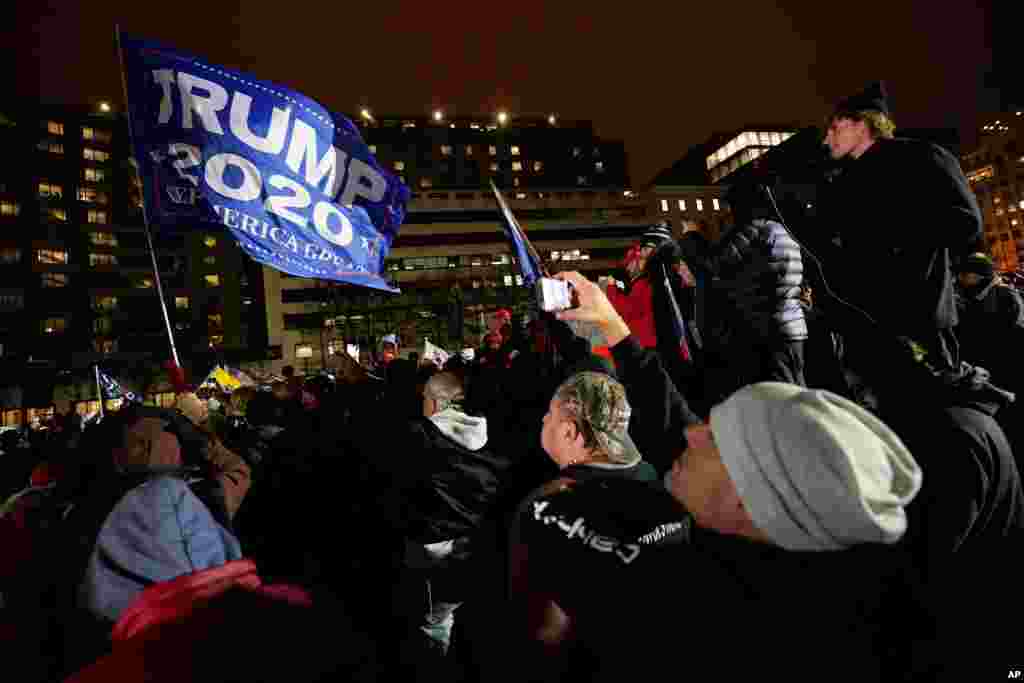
(879, 124)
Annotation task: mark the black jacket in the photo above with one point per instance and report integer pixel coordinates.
(449, 490)
(660, 414)
(900, 212)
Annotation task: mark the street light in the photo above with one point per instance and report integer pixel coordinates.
(105, 107)
(502, 117)
(365, 113)
(552, 120)
(438, 115)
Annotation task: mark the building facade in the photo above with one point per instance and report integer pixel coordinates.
(996, 174)
(433, 153)
(77, 282)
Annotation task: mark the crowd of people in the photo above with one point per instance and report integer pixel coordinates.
(793, 454)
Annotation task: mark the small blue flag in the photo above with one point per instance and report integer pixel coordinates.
(529, 262)
(293, 182)
(110, 389)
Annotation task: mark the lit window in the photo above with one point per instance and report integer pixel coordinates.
(55, 280)
(105, 238)
(556, 255)
(520, 195)
(216, 339)
(50, 190)
(469, 150)
(9, 209)
(515, 150)
(996, 199)
(682, 205)
(95, 216)
(212, 280)
(373, 149)
(426, 182)
(181, 303)
(59, 215)
(210, 241)
(508, 280)
(95, 175)
(492, 150)
(715, 205)
(399, 165)
(494, 166)
(10, 255)
(538, 166)
(87, 194)
(56, 325)
(664, 206)
(519, 280)
(210, 260)
(51, 256)
(103, 325)
(599, 166)
(102, 260)
(517, 166)
(700, 204)
(90, 154)
(104, 303)
(51, 147)
(215, 321)
(446, 150)
(95, 134)
(776, 139)
(54, 128)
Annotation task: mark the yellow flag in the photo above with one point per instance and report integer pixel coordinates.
(224, 378)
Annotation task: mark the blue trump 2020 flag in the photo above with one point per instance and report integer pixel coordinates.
(293, 182)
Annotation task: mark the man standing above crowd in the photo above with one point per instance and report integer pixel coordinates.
(901, 211)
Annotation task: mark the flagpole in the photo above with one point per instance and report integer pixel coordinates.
(99, 387)
(145, 214)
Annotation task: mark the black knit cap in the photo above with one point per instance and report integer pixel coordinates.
(873, 98)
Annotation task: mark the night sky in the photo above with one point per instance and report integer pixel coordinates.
(660, 76)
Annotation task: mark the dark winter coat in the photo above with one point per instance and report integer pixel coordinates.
(760, 271)
(450, 485)
(900, 212)
(991, 331)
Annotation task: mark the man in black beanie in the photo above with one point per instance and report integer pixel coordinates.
(901, 211)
